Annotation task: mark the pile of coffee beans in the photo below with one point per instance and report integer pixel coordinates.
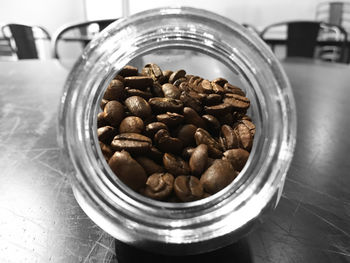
(172, 136)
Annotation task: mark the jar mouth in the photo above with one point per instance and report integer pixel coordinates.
(109, 202)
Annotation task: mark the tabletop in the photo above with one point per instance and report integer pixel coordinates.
(40, 221)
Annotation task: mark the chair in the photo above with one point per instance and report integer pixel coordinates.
(303, 37)
(24, 39)
(337, 13)
(69, 41)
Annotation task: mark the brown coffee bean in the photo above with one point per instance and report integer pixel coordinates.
(105, 134)
(203, 137)
(166, 143)
(212, 99)
(187, 152)
(192, 117)
(170, 119)
(149, 165)
(128, 71)
(179, 81)
(237, 102)
(166, 74)
(161, 105)
(190, 101)
(120, 78)
(212, 123)
(227, 119)
(106, 151)
(244, 136)
(155, 154)
(103, 103)
(138, 106)
(128, 170)
(246, 117)
(159, 186)
(217, 89)
(138, 82)
(199, 159)
(184, 86)
(136, 92)
(229, 88)
(131, 124)
(188, 188)
(229, 138)
(250, 125)
(154, 71)
(156, 90)
(114, 91)
(131, 142)
(218, 176)
(218, 110)
(206, 86)
(154, 127)
(101, 120)
(237, 157)
(171, 91)
(114, 113)
(176, 75)
(186, 134)
(219, 81)
(175, 164)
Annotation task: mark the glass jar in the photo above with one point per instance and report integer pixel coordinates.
(204, 44)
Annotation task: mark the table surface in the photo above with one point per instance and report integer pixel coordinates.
(40, 221)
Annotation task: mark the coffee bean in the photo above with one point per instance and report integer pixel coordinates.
(154, 127)
(187, 152)
(128, 71)
(170, 119)
(176, 75)
(199, 159)
(114, 113)
(154, 71)
(149, 165)
(161, 105)
(212, 99)
(218, 176)
(120, 78)
(138, 82)
(175, 164)
(159, 186)
(188, 188)
(227, 119)
(167, 74)
(203, 137)
(136, 92)
(184, 86)
(192, 117)
(250, 125)
(237, 102)
(217, 89)
(244, 136)
(179, 81)
(186, 134)
(190, 101)
(229, 138)
(229, 88)
(206, 86)
(131, 124)
(138, 106)
(237, 157)
(166, 143)
(212, 123)
(131, 142)
(128, 170)
(219, 81)
(114, 91)
(156, 90)
(103, 103)
(101, 120)
(105, 134)
(171, 91)
(218, 110)
(106, 151)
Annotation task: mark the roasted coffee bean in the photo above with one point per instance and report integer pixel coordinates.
(187, 152)
(101, 120)
(131, 142)
(203, 137)
(217, 89)
(186, 134)
(114, 113)
(114, 91)
(167, 74)
(250, 125)
(176, 75)
(212, 99)
(155, 154)
(128, 170)
(105, 134)
(210, 162)
(103, 103)
(233, 89)
(159, 186)
(192, 117)
(171, 91)
(166, 143)
(237, 157)
(149, 165)
(120, 78)
(154, 127)
(229, 138)
(206, 86)
(138, 106)
(219, 81)
(219, 175)
(227, 119)
(246, 117)
(106, 151)
(136, 92)
(188, 188)
(212, 123)
(175, 164)
(237, 102)
(154, 71)
(170, 119)
(184, 86)
(156, 90)
(218, 110)
(179, 81)
(190, 101)
(244, 136)
(128, 71)
(199, 159)
(131, 124)
(138, 82)
(161, 105)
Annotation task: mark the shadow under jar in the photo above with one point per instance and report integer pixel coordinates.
(207, 45)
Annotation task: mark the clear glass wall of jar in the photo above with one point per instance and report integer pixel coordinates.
(211, 46)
